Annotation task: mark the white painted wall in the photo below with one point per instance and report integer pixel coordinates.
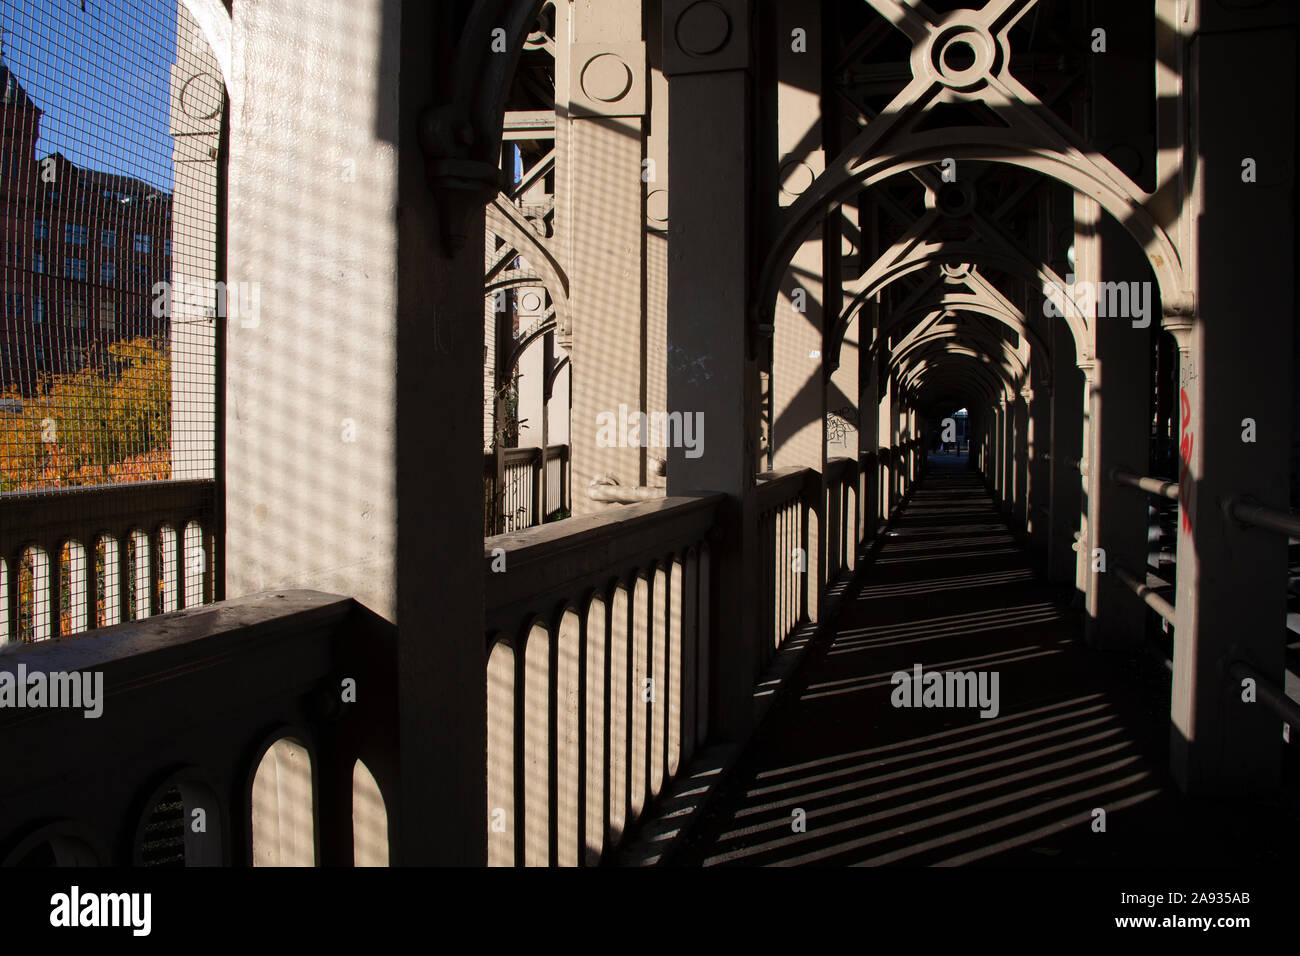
(306, 506)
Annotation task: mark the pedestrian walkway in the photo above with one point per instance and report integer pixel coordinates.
(1077, 740)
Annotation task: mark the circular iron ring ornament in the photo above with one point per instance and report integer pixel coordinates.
(703, 28)
(656, 207)
(796, 178)
(201, 96)
(960, 54)
(606, 78)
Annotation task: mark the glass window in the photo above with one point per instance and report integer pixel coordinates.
(107, 271)
(108, 239)
(75, 234)
(143, 243)
(74, 268)
(40, 229)
(38, 310)
(38, 262)
(107, 315)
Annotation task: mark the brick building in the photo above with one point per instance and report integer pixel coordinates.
(81, 251)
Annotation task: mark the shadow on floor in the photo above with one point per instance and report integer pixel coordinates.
(1075, 731)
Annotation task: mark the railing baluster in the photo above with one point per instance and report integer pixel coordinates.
(126, 579)
(606, 723)
(179, 563)
(13, 564)
(207, 551)
(52, 585)
(90, 552)
(154, 557)
(538, 505)
(690, 650)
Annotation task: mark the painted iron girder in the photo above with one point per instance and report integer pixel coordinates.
(1037, 140)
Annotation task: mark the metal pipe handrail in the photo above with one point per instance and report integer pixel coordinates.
(1250, 512)
(1155, 486)
(1148, 595)
(1270, 694)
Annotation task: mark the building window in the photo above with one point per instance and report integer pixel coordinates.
(142, 276)
(108, 238)
(107, 271)
(75, 234)
(143, 243)
(167, 247)
(13, 253)
(74, 268)
(107, 315)
(38, 263)
(76, 313)
(40, 229)
(14, 304)
(38, 310)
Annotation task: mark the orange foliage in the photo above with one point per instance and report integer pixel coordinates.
(105, 424)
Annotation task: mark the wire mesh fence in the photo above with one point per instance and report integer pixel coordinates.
(111, 115)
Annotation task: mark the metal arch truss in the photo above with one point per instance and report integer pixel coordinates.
(460, 134)
(1034, 139)
(521, 223)
(958, 307)
(992, 247)
(960, 371)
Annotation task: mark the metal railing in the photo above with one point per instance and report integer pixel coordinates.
(1155, 486)
(1148, 593)
(842, 505)
(194, 709)
(1250, 512)
(786, 504)
(1268, 692)
(598, 641)
(513, 495)
(80, 558)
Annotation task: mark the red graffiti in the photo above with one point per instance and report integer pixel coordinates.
(1187, 441)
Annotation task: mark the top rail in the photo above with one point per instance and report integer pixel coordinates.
(1155, 486)
(32, 517)
(782, 485)
(1272, 696)
(558, 560)
(1253, 513)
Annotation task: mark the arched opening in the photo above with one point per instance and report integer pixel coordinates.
(283, 806)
